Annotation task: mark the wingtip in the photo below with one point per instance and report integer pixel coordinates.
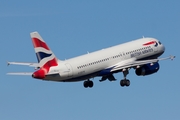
(172, 57)
(8, 63)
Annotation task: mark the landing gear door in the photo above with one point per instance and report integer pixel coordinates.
(70, 72)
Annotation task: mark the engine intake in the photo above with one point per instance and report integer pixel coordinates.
(147, 69)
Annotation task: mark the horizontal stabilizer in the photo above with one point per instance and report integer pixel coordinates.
(20, 73)
(23, 63)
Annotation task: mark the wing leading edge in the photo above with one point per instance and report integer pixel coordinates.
(121, 66)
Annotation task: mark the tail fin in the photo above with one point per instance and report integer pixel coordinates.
(45, 56)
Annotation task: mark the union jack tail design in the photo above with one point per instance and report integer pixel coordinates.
(45, 56)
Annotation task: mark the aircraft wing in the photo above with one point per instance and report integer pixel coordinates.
(24, 63)
(121, 66)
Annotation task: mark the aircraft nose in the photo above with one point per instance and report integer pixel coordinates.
(162, 48)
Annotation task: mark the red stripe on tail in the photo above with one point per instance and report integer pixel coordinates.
(49, 64)
(39, 43)
(41, 73)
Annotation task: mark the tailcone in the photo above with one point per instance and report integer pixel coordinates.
(40, 74)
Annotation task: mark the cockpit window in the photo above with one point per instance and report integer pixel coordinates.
(159, 42)
(156, 44)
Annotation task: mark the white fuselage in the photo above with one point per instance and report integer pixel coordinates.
(89, 65)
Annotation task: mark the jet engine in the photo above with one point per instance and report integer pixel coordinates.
(147, 69)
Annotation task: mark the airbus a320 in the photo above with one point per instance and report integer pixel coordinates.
(141, 55)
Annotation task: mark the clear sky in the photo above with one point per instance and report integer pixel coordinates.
(72, 28)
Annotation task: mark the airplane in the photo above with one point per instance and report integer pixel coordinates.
(141, 54)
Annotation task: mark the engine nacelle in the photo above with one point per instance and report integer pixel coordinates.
(147, 69)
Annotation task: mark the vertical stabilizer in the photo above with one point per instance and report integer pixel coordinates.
(45, 56)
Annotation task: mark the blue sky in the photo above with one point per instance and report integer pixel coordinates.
(72, 28)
